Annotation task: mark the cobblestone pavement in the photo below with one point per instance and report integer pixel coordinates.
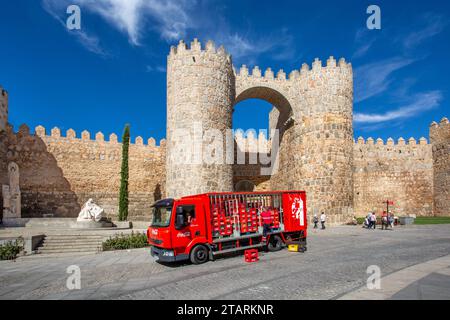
(335, 264)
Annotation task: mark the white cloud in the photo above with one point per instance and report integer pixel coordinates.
(89, 41)
(363, 41)
(279, 45)
(149, 68)
(434, 25)
(172, 21)
(169, 18)
(374, 78)
(417, 104)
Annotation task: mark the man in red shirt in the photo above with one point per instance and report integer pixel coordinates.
(266, 217)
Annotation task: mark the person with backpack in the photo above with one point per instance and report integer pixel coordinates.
(315, 221)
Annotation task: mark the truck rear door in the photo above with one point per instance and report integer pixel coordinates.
(294, 208)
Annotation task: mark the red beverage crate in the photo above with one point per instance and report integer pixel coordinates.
(251, 255)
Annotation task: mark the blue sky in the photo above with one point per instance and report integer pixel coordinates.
(112, 72)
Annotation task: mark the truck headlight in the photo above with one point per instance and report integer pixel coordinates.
(168, 253)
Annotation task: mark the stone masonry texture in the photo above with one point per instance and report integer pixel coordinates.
(59, 174)
(440, 138)
(312, 111)
(401, 172)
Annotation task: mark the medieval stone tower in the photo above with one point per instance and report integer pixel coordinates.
(200, 94)
(313, 110)
(440, 139)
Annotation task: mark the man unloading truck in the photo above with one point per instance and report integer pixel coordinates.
(266, 217)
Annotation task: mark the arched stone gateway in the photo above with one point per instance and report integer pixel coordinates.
(312, 110)
(244, 186)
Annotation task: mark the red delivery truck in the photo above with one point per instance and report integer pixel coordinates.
(202, 227)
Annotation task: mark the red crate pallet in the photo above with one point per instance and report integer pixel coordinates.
(251, 255)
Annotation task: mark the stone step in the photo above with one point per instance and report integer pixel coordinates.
(66, 235)
(67, 250)
(71, 243)
(74, 241)
(52, 237)
(59, 246)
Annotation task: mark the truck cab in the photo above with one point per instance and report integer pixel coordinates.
(178, 226)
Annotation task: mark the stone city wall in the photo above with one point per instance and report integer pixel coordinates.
(402, 173)
(59, 174)
(440, 138)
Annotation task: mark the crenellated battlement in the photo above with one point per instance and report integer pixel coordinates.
(443, 123)
(440, 132)
(99, 137)
(305, 70)
(196, 48)
(391, 142)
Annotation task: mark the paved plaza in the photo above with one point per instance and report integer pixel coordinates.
(414, 263)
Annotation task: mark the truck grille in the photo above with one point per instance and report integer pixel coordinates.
(156, 241)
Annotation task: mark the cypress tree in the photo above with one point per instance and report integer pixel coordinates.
(123, 193)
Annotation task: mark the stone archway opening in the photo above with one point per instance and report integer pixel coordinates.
(282, 110)
(244, 186)
(278, 114)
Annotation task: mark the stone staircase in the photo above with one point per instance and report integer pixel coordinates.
(71, 243)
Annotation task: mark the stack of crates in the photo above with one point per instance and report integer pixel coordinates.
(248, 220)
(221, 223)
(215, 221)
(275, 218)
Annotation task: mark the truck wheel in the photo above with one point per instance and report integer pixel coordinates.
(199, 254)
(274, 244)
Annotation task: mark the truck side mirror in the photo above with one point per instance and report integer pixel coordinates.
(179, 219)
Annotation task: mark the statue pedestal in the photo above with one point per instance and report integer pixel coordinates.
(91, 224)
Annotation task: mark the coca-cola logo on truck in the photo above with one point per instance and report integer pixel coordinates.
(297, 210)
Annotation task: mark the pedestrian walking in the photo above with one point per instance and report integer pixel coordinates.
(373, 221)
(323, 219)
(315, 221)
(384, 221)
(367, 222)
(391, 220)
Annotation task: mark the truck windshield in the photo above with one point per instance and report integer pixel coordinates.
(161, 216)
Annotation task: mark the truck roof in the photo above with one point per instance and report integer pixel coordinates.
(240, 193)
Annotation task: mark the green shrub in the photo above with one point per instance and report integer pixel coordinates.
(129, 241)
(10, 249)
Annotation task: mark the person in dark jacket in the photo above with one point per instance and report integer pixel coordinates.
(315, 221)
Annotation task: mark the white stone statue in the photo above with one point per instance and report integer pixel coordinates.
(11, 193)
(90, 212)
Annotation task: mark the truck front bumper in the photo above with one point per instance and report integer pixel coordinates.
(164, 255)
